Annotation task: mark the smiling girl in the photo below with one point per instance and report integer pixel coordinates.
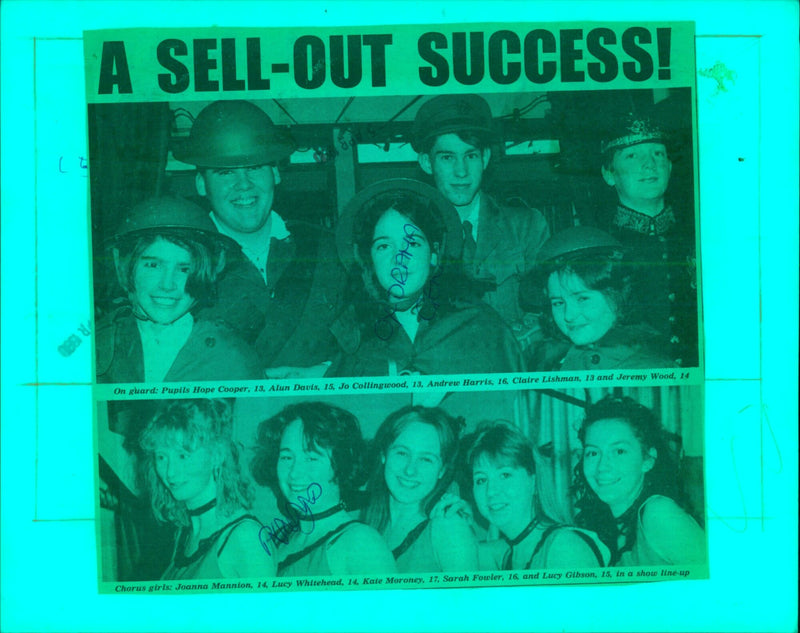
(414, 453)
(168, 257)
(501, 462)
(628, 490)
(191, 468)
(411, 312)
(584, 290)
(311, 455)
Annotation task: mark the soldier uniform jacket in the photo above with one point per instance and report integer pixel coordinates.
(212, 352)
(508, 243)
(666, 291)
(470, 340)
(288, 320)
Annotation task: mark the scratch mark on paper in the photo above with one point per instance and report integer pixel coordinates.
(766, 425)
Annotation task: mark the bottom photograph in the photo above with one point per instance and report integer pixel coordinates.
(389, 490)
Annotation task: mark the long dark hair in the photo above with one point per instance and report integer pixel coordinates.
(447, 287)
(661, 479)
(448, 429)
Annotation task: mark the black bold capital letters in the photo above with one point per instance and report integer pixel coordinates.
(114, 57)
(440, 73)
(177, 80)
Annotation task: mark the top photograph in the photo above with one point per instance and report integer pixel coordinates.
(453, 233)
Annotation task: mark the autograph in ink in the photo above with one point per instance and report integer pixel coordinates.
(386, 325)
(279, 530)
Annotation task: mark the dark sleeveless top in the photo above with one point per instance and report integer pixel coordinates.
(538, 559)
(204, 562)
(312, 560)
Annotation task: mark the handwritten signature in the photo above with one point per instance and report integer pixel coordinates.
(279, 530)
(386, 325)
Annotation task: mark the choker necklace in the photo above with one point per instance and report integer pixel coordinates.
(196, 512)
(522, 535)
(325, 513)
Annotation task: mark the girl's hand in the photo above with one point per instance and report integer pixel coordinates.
(451, 506)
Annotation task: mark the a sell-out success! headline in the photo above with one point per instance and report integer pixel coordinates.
(300, 63)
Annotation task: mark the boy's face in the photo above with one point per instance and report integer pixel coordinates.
(457, 168)
(241, 197)
(640, 173)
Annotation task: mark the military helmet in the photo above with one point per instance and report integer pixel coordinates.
(352, 216)
(448, 114)
(234, 134)
(579, 241)
(170, 213)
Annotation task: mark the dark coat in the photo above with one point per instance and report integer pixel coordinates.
(624, 347)
(212, 352)
(508, 243)
(666, 292)
(471, 340)
(288, 320)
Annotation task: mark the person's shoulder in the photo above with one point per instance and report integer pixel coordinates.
(570, 545)
(216, 332)
(116, 316)
(359, 548)
(304, 232)
(661, 518)
(245, 532)
(112, 326)
(566, 537)
(473, 314)
(520, 214)
(634, 347)
(220, 342)
(671, 531)
(491, 553)
(658, 512)
(242, 552)
(357, 533)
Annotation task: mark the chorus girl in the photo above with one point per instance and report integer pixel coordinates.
(311, 455)
(192, 471)
(628, 490)
(501, 462)
(414, 457)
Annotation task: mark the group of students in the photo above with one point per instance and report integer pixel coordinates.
(428, 279)
(394, 505)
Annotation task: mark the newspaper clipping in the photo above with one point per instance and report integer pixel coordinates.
(396, 306)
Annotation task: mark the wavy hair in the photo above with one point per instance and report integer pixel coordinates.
(194, 424)
(661, 479)
(448, 428)
(325, 426)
